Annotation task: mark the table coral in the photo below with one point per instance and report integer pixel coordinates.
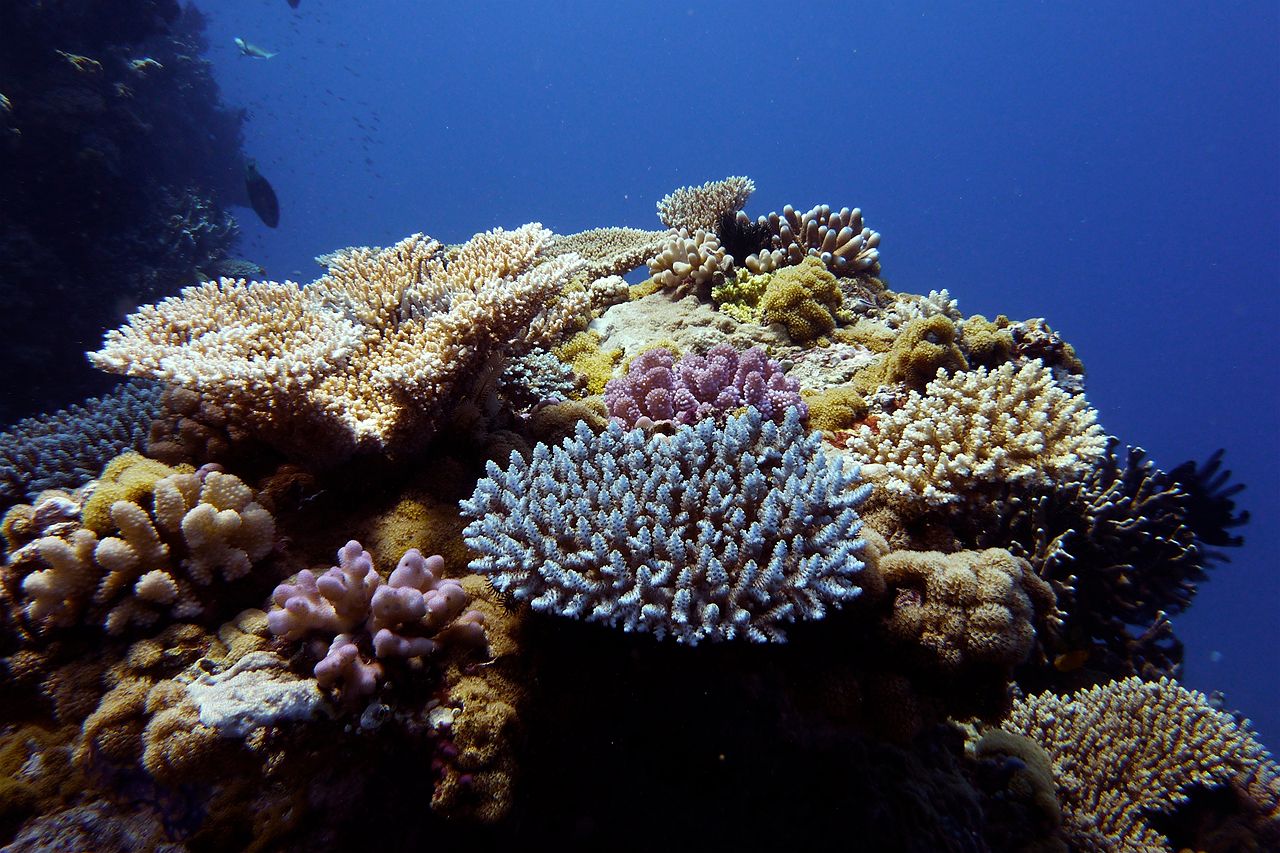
(692, 208)
(369, 356)
(715, 533)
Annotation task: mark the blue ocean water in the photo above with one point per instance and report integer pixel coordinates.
(1110, 167)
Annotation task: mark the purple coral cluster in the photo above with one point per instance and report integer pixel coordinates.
(697, 387)
(406, 616)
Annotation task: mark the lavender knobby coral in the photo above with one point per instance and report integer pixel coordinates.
(698, 387)
(714, 533)
(406, 616)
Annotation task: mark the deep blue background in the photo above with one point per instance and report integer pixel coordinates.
(1111, 167)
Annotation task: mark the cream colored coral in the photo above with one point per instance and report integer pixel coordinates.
(693, 208)
(200, 526)
(369, 356)
(970, 607)
(690, 260)
(1011, 424)
(609, 251)
(1125, 751)
(838, 238)
(908, 307)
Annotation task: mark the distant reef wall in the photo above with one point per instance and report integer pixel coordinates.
(117, 163)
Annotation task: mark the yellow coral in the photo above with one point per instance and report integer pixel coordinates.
(987, 342)
(739, 296)
(129, 477)
(804, 298)
(835, 408)
(966, 608)
(582, 352)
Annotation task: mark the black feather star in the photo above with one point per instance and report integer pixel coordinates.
(1210, 508)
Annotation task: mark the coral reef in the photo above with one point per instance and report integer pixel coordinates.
(716, 533)
(851, 532)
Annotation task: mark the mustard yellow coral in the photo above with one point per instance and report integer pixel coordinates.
(739, 296)
(582, 352)
(129, 477)
(804, 298)
(835, 408)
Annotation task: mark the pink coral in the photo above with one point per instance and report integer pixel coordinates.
(697, 387)
(406, 616)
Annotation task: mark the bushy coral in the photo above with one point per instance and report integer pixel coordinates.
(659, 388)
(739, 294)
(714, 533)
(692, 208)
(1127, 752)
(66, 449)
(1000, 426)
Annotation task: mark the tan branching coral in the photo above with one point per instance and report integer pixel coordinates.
(1130, 750)
(967, 608)
(836, 237)
(1010, 425)
(693, 208)
(690, 262)
(372, 355)
(609, 251)
(194, 529)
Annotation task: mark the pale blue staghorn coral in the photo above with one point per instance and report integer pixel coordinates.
(714, 533)
(68, 448)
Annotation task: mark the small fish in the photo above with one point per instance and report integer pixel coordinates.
(252, 50)
(262, 198)
(1071, 661)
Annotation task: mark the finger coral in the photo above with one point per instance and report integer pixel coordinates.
(1011, 424)
(194, 532)
(714, 533)
(1128, 752)
(371, 619)
(690, 262)
(369, 356)
(838, 238)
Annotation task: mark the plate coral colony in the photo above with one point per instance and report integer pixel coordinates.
(479, 541)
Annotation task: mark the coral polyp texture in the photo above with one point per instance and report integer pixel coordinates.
(1008, 425)
(370, 355)
(715, 533)
(659, 388)
(759, 517)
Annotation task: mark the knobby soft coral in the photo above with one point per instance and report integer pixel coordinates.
(714, 533)
(660, 388)
(837, 238)
(404, 616)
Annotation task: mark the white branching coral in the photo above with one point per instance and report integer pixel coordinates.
(692, 208)
(369, 356)
(1011, 424)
